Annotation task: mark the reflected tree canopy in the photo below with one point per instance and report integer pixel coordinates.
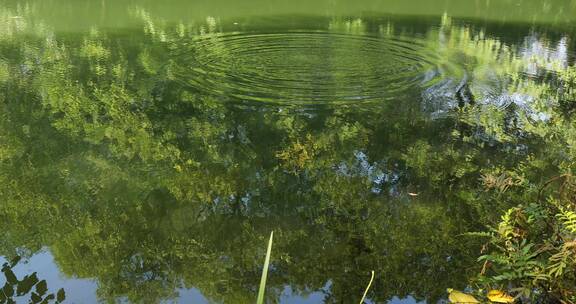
(30, 287)
(130, 173)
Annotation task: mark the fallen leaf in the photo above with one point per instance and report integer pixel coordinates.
(459, 297)
(498, 296)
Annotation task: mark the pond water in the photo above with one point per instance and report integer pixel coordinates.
(148, 148)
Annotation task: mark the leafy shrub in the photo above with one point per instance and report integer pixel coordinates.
(532, 250)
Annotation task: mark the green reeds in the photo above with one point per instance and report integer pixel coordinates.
(260, 299)
(367, 288)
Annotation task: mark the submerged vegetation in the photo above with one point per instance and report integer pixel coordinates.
(115, 161)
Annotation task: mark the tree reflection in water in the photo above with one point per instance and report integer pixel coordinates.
(129, 173)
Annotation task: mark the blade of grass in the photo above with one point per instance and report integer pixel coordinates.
(367, 288)
(260, 299)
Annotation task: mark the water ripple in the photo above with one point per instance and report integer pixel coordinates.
(305, 67)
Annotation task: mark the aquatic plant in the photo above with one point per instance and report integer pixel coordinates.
(367, 288)
(262, 288)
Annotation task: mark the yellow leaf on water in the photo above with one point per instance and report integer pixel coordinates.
(412, 194)
(459, 297)
(498, 296)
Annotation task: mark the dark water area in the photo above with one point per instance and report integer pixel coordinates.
(148, 149)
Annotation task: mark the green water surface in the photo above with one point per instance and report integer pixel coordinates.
(148, 148)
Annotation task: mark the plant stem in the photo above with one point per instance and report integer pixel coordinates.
(260, 299)
(367, 288)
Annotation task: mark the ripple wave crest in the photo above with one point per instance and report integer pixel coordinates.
(306, 67)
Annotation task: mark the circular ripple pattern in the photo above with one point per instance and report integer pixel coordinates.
(308, 68)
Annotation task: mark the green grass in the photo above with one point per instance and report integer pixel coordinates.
(367, 288)
(260, 299)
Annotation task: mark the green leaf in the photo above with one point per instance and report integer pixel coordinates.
(41, 287)
(15, 261)
(260, 299)
(8, 290)
(48, 298)
(35, 298)
(10, 276)
(26, 284)
(61, 295)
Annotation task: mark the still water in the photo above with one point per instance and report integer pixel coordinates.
(148, 148)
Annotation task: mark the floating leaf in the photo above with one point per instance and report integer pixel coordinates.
(459, 297)
(498, 296)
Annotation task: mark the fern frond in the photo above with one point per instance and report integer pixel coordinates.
(568, 220)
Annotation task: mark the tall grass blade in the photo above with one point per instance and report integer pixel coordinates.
(260, 299)
(367, 288)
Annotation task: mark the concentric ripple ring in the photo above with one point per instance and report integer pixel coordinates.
(304, 67)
